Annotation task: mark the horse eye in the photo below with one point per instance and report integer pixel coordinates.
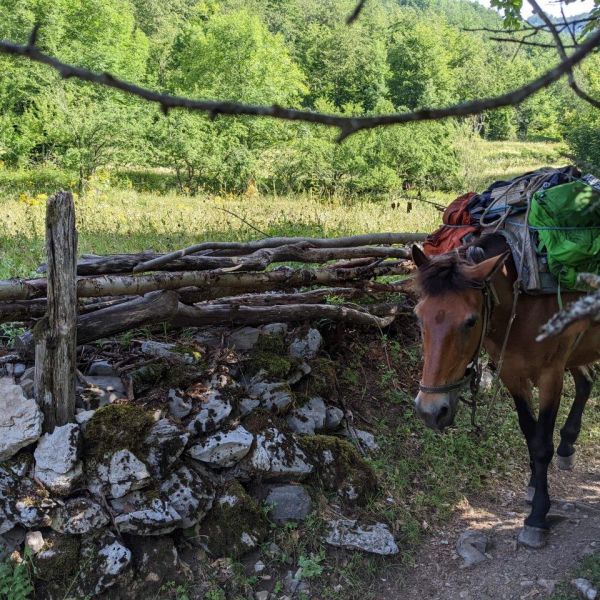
(470, 322)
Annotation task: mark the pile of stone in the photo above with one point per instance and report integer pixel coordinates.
(103, 503)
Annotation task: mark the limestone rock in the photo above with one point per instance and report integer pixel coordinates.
(214, 410)
(142, 513)
(166, 442)
(102, 390)
(364, 439)
(472, 546)
(79, 516)
(375, 539)
(273, 396)
(247, 405)
(333, 418)
(178, 407)
(223, 449)
(123, 473)
(20, 419)
(309, 417)
(102, 368)
(307, 347)
(83, 417)
(168, 351)
(34, 540)
(190, 494)
(278, 455)
(585, 588)
(59, 451)
(106, 563)
(288, 503)
(57, 463)
(243, 339)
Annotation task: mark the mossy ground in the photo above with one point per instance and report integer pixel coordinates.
(116, 427)
(271, 355)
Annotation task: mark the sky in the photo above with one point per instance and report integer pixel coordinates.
(553, 7)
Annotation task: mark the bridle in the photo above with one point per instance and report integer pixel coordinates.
(472, 376)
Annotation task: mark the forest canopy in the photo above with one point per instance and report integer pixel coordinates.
(397, 56)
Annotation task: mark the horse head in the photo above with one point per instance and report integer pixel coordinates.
(453, 313)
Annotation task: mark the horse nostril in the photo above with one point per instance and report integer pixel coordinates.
(442, 413)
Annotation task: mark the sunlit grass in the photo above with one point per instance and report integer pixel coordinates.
(113, 220)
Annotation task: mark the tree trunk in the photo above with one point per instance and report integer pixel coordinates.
(55, 334)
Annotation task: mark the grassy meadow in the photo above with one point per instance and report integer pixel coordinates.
(115, 216)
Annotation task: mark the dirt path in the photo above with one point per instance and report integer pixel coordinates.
(511, 572)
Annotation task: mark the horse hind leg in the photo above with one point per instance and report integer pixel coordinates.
(565, 454)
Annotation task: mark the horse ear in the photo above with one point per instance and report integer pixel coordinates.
(486, 269)
(419, 257)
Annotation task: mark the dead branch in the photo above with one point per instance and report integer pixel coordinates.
(356, 12)
(208, 284)
(346, 125)
(586, 308)
(260, 259)
(197, 316)
(241, 248)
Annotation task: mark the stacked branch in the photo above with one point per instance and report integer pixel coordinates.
(228, 283)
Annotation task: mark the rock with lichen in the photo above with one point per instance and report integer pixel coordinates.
(308, 346)
(20, 419)
(309, 417)
(122, 473)
(165, 443)
(190, 494)
(214, 409)
(278, 455)
(57, 463)
(274, 396)
(234, 526)
(145, 512)
(79, 516)
(223, 449)
(104, 564)
(340, 468)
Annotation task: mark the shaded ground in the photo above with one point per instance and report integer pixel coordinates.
(511, 572)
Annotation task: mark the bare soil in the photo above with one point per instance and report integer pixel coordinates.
(511, 572)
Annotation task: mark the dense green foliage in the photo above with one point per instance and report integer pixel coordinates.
(397, 56)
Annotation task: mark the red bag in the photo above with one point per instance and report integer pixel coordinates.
(457, 224)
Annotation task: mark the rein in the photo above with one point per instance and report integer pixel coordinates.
(472, 377)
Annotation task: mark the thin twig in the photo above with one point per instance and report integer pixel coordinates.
(243, 221)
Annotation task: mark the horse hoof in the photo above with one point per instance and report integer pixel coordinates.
(530, 494)
(532, 537)
(565, 463)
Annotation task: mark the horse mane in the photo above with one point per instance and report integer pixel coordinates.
(446, 272)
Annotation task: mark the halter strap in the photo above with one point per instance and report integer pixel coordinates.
(473, 373)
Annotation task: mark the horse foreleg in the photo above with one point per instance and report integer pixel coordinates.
(521, 393)
(542, 450)
(570, 431)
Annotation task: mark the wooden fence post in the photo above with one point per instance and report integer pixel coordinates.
(56, 333)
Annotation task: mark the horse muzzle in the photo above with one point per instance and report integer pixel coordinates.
(437, 410)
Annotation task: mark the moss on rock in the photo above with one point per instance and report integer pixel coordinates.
(116, 427)
(235, 525)
(322, 379)
(59, 558)
(340, 468)
(271, 355)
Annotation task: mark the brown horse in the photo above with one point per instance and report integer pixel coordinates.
(466, 303)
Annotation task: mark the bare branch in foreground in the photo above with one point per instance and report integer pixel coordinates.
(356, 12)
(560, 47)
(347, 125)
(586, 308)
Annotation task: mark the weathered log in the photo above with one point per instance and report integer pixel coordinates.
(55, 334)
(261, 259)
(210, 284)
(210, 314)
(155, 307)
(249, 247)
